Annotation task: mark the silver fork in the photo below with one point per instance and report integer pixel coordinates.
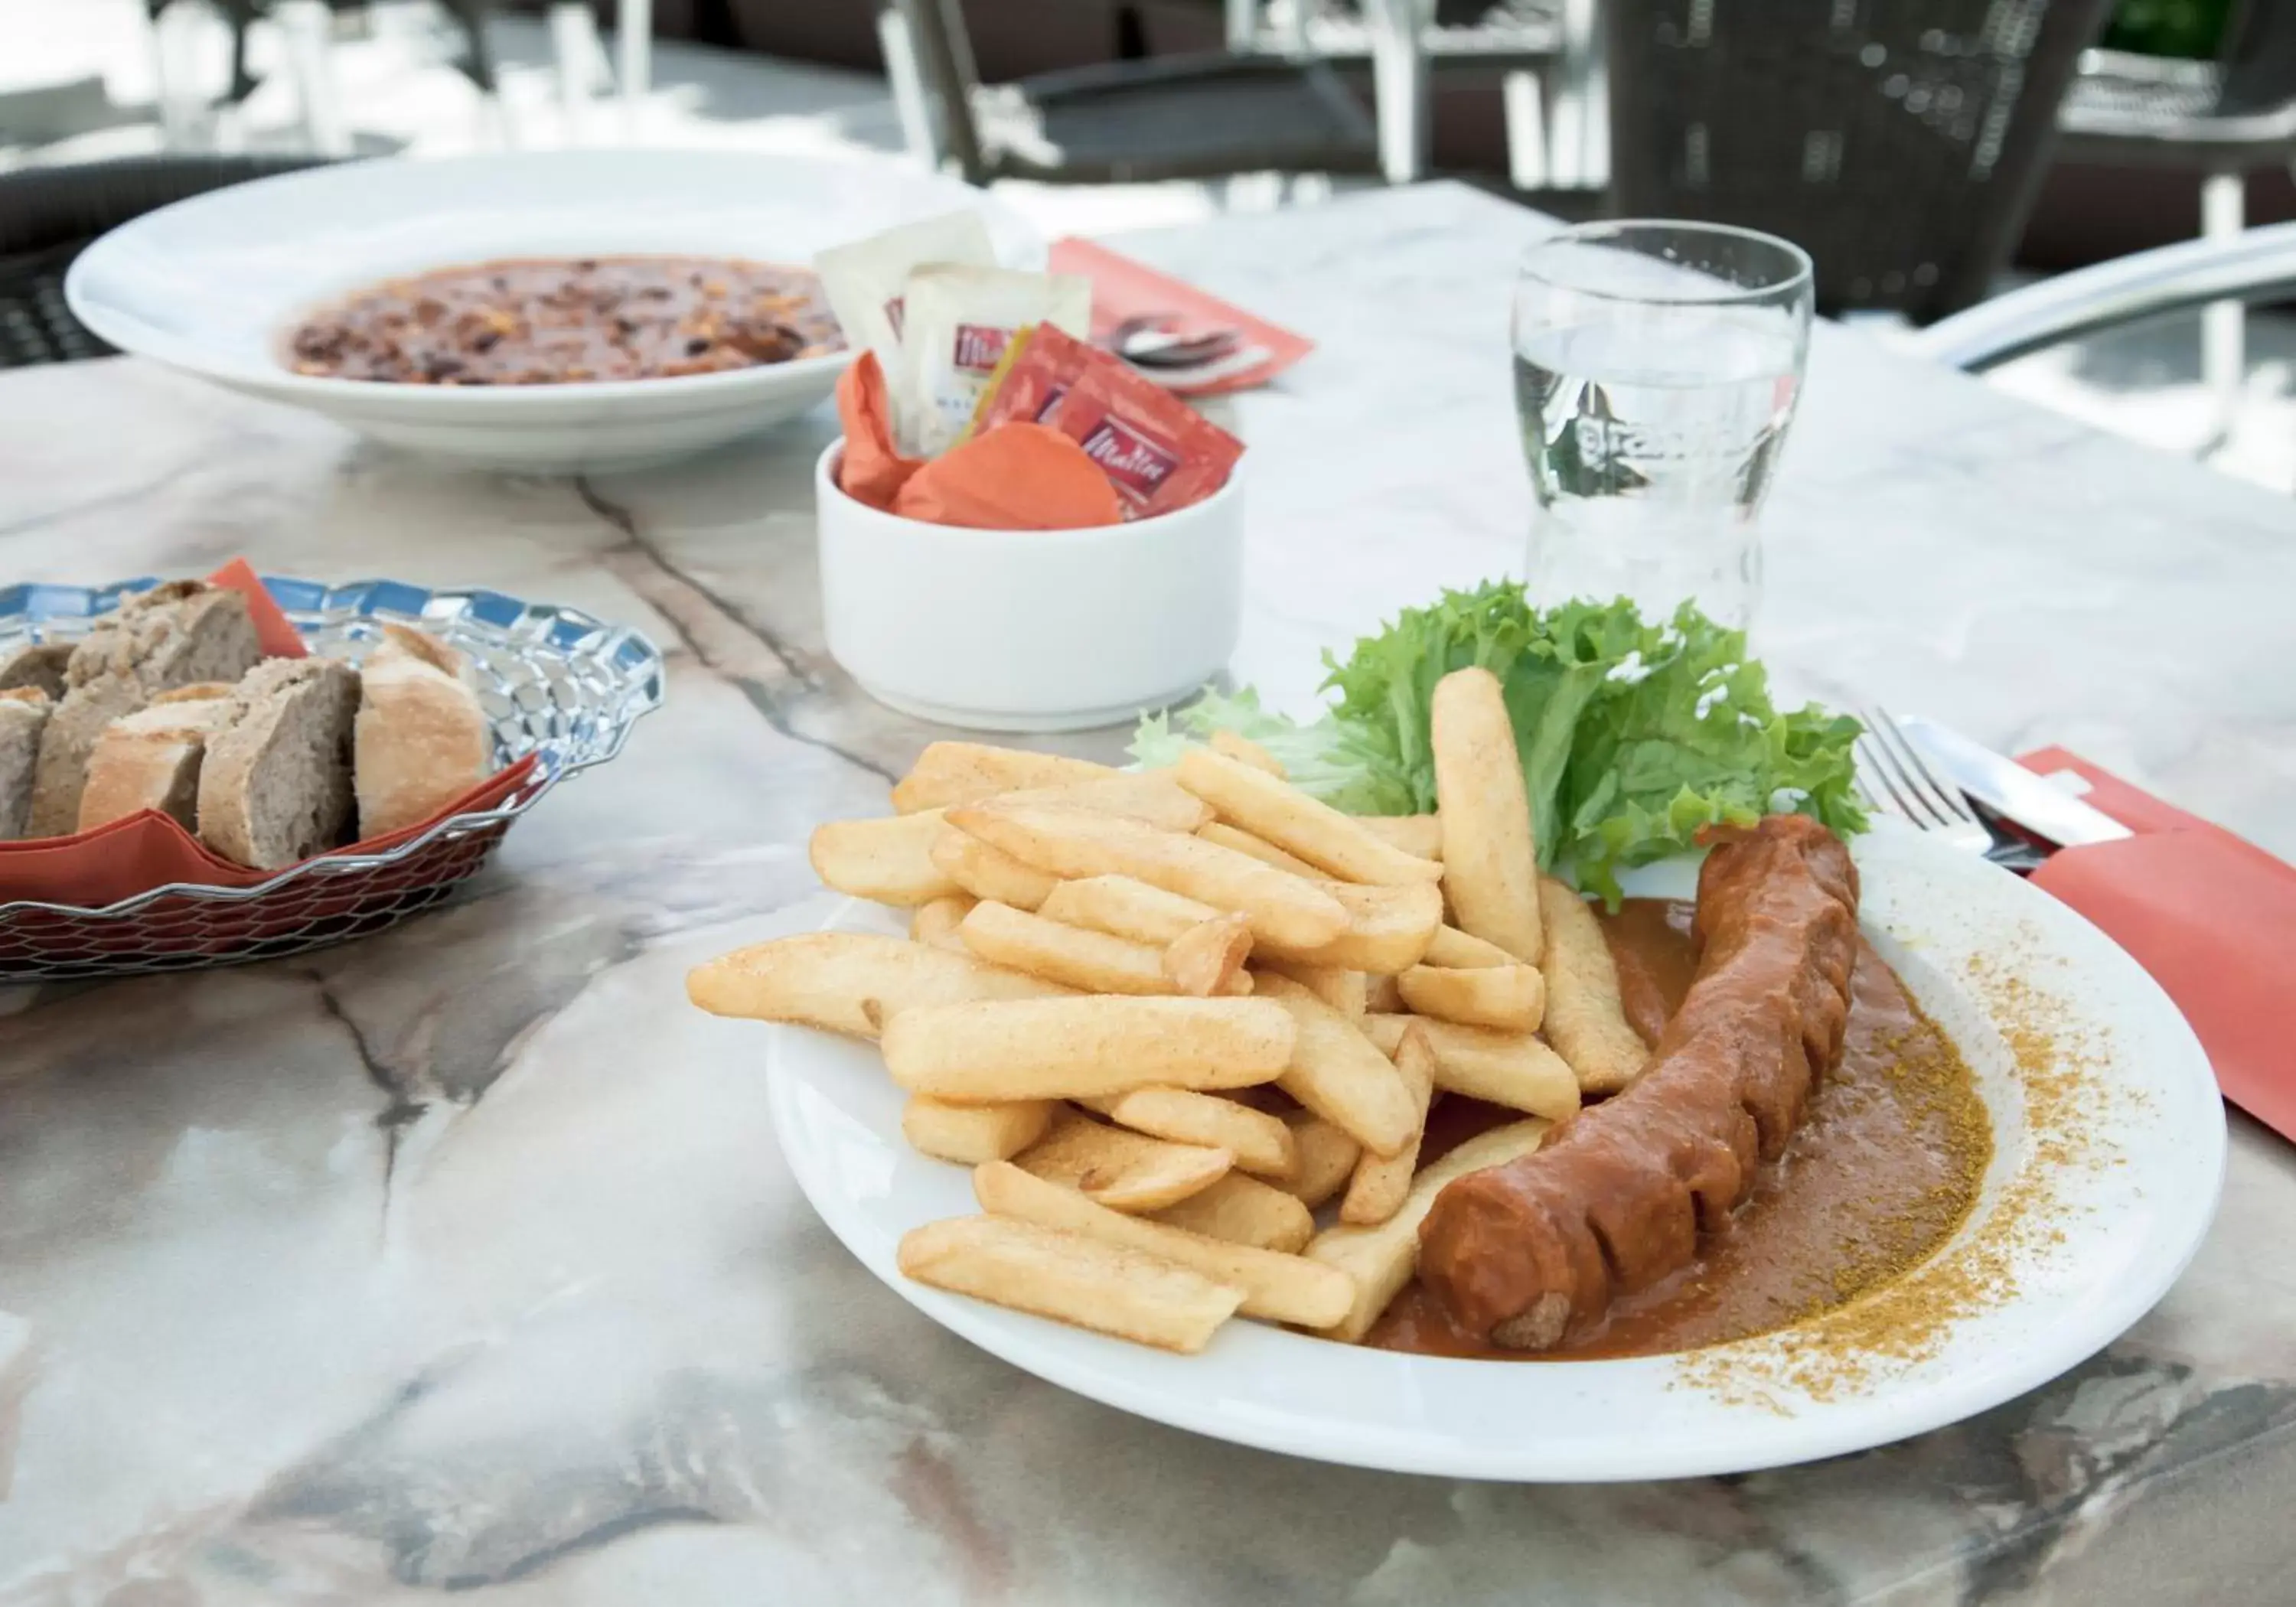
(1897, 781)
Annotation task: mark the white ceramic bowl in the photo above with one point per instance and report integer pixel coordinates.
(210, 284)
(1029, 630)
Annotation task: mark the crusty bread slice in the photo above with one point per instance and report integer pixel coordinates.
(421, 740)
(151, 759)
(38, 664)
(178, 633)
(23, 715)
(275, 786)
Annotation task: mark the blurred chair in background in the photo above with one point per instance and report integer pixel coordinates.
(1899, 141)
(2220, 120)
(1202, 116)
(1547, 53)
(48, 215)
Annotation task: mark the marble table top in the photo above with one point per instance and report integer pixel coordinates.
(463, 1257)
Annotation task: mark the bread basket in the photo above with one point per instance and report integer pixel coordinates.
(555, 684)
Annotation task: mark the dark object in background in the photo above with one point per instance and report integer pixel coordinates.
(49, 214)
(1902, 149)
(2228, 117)
(1177, 117)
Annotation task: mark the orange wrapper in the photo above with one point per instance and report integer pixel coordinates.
(1016, 477)
(874, 470)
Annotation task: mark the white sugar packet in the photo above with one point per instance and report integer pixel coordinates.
(959, 322)
(867, 282)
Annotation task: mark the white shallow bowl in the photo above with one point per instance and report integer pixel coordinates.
(211, 285)
(1029, 630)
(2109, 1156)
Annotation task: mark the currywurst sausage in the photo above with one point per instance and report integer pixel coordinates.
(1529, 1252)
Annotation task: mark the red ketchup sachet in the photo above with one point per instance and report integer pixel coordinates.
(1157, 451)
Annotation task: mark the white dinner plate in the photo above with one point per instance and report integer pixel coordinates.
(2109, 1156)
(212, 284)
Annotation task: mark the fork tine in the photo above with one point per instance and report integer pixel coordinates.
(1943, 795)
(1886, 788)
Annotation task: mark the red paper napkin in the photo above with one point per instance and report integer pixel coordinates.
(2212, 916)
(1124, 289)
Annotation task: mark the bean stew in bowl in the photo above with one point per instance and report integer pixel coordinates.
(569, 321)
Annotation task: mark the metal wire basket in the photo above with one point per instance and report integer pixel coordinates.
(555, 682)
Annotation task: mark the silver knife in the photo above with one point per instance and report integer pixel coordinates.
(2010, 789)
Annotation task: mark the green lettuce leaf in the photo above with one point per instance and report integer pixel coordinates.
(1321, 758)
(1634, 735)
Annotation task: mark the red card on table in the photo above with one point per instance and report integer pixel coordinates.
(1124, 289)
(2213, 919)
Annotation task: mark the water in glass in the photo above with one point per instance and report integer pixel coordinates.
(1652, 421)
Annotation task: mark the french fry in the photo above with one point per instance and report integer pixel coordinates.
(1506, 998)
(1327, 1159)
(1152, 796)
(935, 923)
(1090, 962)
(1339, 1074)
(1260, 1143)
(947, 774)
(1246, 842)
(1072, 1048)
(1243, 1211)
(1583, 1015)
(832, 979)
(1125, 907)
(960, 773)
(1419, 835)
(888, 860)
(1490, 864)
(1380, 1260)
(1377, 1189)
(1090, 1282)
(1382, 995)
(1069, 842)
(1275, 810)
(1123, 1172)
(1456, 950)
(970, 1134)
(1388, 929)
(983, 872)
(1238, 746)
(1510, 1068)
(1279, 1288)
(1345, 991)
(1208, 958)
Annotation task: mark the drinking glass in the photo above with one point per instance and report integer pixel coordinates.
(1656, 368)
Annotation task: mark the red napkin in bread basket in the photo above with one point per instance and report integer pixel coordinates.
(2212, 916)
(149, 849)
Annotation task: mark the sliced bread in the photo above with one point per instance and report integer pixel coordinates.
(37, 664)
(151, 759)
(23, 715)
(421, 740)
(176, 634)
(275, 786)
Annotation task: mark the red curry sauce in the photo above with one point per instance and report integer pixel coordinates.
(1881, 1172)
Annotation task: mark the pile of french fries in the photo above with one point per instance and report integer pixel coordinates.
(1168, 1015)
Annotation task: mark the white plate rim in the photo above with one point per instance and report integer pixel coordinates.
(694, 393)
(1218, 1393)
